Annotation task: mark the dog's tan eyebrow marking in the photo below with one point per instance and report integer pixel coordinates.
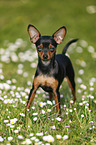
(50, 45)
(41, 45)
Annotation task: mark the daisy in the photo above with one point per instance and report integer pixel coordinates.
(82, 115)
(35, 114)
(58, 136)
(43, 112)
(42, 104)
(1, 139)
(58, 119)
(39, 134)
(13, 121)
(22, 114)
(20, 137)
(65, 137)
(48, 110)
(16, 131)
(48, 138)
(49, 102)
(10, 138)
(35, 118)
(53, 127)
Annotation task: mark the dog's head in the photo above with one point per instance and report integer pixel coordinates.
(46, 45)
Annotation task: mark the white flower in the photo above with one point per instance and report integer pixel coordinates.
(91, 89)
(13, 121)
(91, 9)
(31, 134)
(20, 66)
(19, 71)
(16, 131)
(90, 127)
(70, 110)
(79, 49)
(83, 43)
(79, 80)
(65, 137)
(33, 107)
(6, 101)
(64, 106)
(91, 49)
(42, 104)
(39, 134)
(66, 113)
(35, 118)
(37, 140)
(58, 136)
(53, 127)
(1, 139)
(25, 74)
(6, 121)
(80, 104)
(1, 98)
(48, 138)
(48, 110)
(20, 137)
(33, 138)
(14, 81)
(22, 114)
(35, 114)
(92, 97)
(83, 86)
(81, 72)
(71, 101)
(43, 112)
(82, 115)
(33, 65)
(75, 109)
(49, 102)
(58, 119)
(27, 141)
(12, 126)
(10, 138)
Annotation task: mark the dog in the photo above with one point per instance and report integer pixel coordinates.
(52, 68)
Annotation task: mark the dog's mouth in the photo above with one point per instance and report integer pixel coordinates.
(46, 61)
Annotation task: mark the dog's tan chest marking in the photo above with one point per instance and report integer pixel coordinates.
(46, 81)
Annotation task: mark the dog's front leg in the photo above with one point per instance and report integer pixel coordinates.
(57, 101)
(36, 84)
(31, 96)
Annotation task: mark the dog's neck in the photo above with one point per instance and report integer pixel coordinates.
(46, 66)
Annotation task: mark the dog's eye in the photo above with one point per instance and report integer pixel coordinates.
(39, 48)
(52, 49)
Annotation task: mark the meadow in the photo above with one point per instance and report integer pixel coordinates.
(41, 125)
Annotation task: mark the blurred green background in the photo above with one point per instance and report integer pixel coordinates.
(47, 16)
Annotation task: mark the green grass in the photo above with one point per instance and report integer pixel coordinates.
(77, 121)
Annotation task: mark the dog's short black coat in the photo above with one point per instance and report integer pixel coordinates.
(52, 68)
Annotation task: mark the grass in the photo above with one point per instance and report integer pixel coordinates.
(18, 59)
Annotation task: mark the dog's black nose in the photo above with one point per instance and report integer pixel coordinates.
(45, 56)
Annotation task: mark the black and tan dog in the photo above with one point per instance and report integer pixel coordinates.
(52, 68)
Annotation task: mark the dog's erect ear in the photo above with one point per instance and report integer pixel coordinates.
(59, 34)
(33, 33)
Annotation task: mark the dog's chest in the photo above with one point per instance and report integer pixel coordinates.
(44, 80)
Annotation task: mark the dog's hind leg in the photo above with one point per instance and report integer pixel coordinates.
(70, 77)
(50, 96)
(72, 86)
